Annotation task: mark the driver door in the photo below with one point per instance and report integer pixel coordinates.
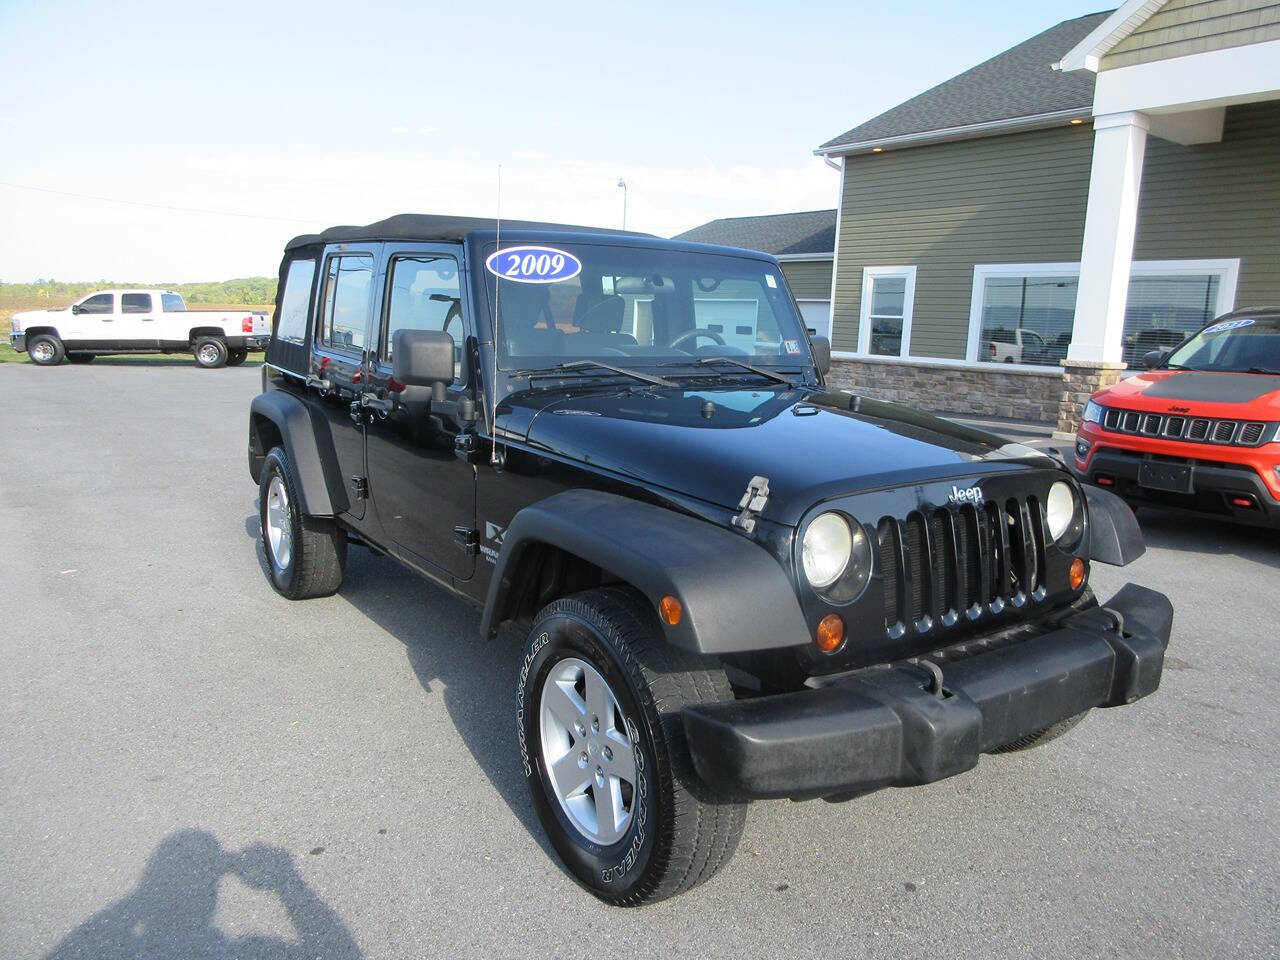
(423, 493)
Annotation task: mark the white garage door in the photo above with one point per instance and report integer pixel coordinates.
(816, 314)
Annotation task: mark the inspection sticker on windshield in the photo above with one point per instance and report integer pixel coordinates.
(771, 281)
(1226, 325)
(791, 346)
(533, 264)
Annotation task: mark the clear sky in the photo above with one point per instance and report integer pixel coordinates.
(321, 113)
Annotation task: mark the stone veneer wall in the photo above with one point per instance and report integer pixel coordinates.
(1079, 381)
(955, 388)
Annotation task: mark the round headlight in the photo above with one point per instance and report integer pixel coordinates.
(825, 550)
(1060, 509)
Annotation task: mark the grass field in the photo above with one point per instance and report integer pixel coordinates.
(9, 305)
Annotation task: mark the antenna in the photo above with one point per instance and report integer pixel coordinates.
(493, 382)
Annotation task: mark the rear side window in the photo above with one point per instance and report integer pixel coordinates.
(346, 302)
(295, 301)
(135, 303)
(99, 303)
(172, 303)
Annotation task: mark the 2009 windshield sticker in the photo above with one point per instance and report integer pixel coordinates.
(1230, 325)
(533, 264)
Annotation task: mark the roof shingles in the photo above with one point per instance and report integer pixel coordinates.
(1020, 82)
(780, 234)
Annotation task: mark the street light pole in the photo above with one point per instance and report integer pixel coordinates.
(623, 184)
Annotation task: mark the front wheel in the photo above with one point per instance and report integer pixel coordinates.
(598, 702)
(46, 350)
(210, 352)
(306, 556)
(1052, 732)
(237, 356)
(80, 357)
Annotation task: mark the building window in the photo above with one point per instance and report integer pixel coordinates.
(1024, 313)
(888, 295)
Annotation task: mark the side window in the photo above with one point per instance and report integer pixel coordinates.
(346, 302)
(295, 300)
(172, 303)
(99, 303)
(423, 294)
(135, 303)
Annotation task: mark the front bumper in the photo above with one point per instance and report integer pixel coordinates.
(1215, 486)
(882, 727)
(18, 341)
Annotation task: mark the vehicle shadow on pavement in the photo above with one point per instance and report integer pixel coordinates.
(171, 913)
(441, 637)
(1170, 530)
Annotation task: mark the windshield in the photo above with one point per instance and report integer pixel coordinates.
(639, 307)
(1242, 345)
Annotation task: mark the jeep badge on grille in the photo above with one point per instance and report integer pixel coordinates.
(966, 495)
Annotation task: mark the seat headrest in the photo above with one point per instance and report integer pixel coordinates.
(599, 313)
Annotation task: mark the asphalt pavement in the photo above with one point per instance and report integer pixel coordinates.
(192, 766)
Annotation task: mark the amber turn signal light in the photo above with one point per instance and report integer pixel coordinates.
(830, 633)
(1075, 576)
(671, 610)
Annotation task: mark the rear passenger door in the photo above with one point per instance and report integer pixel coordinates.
(339, 357)
(137, 325)
(423, 493)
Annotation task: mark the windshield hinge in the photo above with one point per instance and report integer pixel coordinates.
(751, 504)
(360, 488)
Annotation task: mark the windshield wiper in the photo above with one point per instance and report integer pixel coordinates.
(1257, 370)
(777, 378)
(625, 371)
(705, 361)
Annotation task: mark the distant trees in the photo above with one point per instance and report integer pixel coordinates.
(246, 291)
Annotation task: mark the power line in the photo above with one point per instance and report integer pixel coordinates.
(156, 206)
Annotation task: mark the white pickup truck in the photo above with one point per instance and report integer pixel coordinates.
(138, 321)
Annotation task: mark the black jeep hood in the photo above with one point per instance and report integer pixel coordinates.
(809, 444)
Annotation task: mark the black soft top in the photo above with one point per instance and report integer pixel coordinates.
(428, 227)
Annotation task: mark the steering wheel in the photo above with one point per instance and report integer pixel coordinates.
(694, 334)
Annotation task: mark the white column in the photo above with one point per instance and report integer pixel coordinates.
(1119, 144)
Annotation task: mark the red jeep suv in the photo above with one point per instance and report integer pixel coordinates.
(1200, 428)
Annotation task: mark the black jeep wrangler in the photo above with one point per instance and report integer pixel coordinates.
(734, 581)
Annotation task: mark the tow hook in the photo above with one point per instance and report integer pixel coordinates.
(934, 684)
(1117, 618)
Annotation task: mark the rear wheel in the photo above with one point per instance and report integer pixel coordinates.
(210, 352)
(237, 356)
(598, 697)
(306, 556)
(46, 350)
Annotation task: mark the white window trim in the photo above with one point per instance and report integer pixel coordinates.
(870, 274)
(1228, 270)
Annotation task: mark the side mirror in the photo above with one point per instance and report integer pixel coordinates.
(422, 358)
(821, 354)
(1152, 358)
(75, 308)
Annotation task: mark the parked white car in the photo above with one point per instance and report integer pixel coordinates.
(1015, 346)
(138, 321)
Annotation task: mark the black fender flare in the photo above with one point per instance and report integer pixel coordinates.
(315, 467)
(735, 596)
(1114, 534)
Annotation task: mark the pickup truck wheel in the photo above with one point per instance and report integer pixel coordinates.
(46, 350)
(306, 556)
(80, 357)
(1052, 732)
(598, 700)
(210, 352)
(237, 356)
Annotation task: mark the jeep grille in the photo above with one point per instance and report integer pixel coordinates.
(960, 563)
(1239, 433)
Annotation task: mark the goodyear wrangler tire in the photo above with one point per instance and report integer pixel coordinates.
(598, 700)
(306, 556)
